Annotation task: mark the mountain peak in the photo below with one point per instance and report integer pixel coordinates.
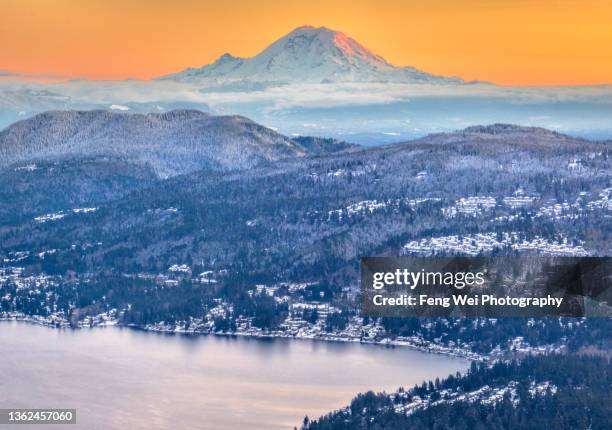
(308, 54)
(337, 41)
(227, 57)
(308, 28)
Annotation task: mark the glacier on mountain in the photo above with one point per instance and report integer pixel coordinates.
(308, 54)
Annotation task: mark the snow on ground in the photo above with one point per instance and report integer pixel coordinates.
(487, 242)
(371, 206)
(470, 206)
(27, 168)
(487, 395)
(62, 214)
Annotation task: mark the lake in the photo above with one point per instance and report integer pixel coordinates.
(127, 379)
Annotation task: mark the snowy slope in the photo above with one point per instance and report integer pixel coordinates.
(171, 143)
(308, 54)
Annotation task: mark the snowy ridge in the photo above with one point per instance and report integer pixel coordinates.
(308, 54)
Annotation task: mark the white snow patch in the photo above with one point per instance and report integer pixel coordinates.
(119, 107)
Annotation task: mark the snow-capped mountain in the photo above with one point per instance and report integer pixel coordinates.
(308, 54)
(319, 82)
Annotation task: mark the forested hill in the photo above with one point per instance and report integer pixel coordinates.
(172, 143)
(519, 136)
(64, 159)
(557, 392)
(478, 192)
(140, 248)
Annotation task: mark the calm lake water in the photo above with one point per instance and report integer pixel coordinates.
(126, 379)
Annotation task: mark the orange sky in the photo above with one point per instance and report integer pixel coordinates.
(520, 42)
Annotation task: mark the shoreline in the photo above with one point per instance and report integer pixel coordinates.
(414, 343)
(62, 324)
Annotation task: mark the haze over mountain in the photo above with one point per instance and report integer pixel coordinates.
(309, 54)
(320, 82)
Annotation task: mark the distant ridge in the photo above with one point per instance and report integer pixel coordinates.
(506, 134)
(501, 128)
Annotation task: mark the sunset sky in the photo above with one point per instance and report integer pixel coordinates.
(513, 42)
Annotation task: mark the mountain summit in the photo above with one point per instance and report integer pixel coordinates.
(308, 54)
